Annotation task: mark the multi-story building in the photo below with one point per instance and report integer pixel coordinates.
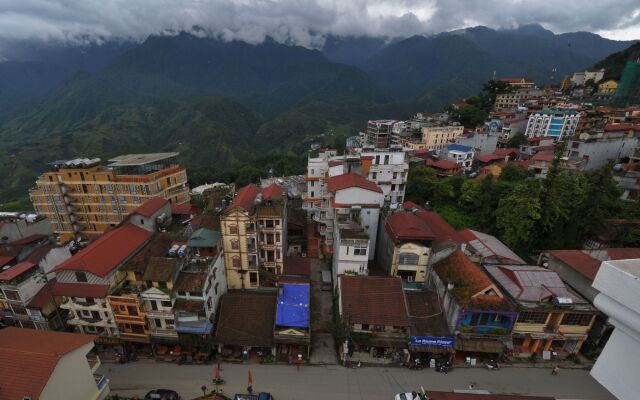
(551, 316)
(43, 310)
(459, 154)
(254, 235)
(405, 246)
(160, 316)
(82, 197)
(540, 164)
(609, 86)
(49, 366)
(476, 309)
(18, 285)
(437, 136)
(351, 249)
(557, 123)
(598, 147)
(518, 82)
(85, 280)
(582, 77)
(511, 100)
(379, 133)
(129, 316)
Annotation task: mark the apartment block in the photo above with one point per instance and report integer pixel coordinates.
(379, 133)
(82, 197)
(254, 236)
(437, 136)
(557, 123)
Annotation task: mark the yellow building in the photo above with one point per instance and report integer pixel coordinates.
(129, 316)
(82, 197)
(254, 239)
(609, 86)
(437, 137)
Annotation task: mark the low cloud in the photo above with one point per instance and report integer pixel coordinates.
(303, 22)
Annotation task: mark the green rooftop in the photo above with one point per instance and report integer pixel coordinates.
(204, 237)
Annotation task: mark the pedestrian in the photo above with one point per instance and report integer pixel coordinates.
(555, 370)
(245, 355)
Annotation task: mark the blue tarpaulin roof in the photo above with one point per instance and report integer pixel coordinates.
(293, 306)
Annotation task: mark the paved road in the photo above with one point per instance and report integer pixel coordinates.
(318, 382)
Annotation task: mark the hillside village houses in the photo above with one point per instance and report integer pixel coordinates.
(184, 283)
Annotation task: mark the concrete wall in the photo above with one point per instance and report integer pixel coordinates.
(617, 366)
(600, 153)
(54, 257)
(483, 143)
(72, 378)
(221, 280)
(21, 228)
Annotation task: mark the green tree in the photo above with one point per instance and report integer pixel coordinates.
(517, 140)
(518, 214)
(470, 195)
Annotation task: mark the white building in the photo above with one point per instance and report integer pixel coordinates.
(48, 365)
(582, 77)
(351, 250)
(461, 155)
(617, 366)
(555, 123)
(18, 285)
(159, 313)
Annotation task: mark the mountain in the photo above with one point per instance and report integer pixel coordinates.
(412, 67)
(30, 68)
(206, 98)
(614, 63)
(352, 50)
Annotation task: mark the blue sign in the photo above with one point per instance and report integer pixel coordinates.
(431, 341)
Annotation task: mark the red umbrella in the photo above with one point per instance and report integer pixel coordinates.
(250, 378)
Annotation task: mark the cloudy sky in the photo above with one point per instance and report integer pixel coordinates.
(306, 22)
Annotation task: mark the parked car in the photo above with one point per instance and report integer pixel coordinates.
(166, 394)
(410, 396)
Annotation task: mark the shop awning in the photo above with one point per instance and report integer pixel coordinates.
(479, 345)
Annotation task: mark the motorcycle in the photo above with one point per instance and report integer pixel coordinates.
(493, 366)
(415, 365)
(355, 365)
(444, 367)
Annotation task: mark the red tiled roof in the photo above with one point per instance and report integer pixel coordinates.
(543, 157)
(108, 251)
(28, 239)
(150, 207)
(335, 163)
(297, 266)
(623, 253)
(621, 127)
(539, 139)
(374, 300)
(440, 228)
(273, 192)
(489, 157)
(545, 148)
(15, 271)
(43, 297)
(244, 199)
(4, 260)
(506, 151)
(442, 164)
(74, 289)
(409, 205)
(407, 226)
(180, 209)
(469, 396)
(28, 357)
(578, 261)
(469, 281)
(349, 180)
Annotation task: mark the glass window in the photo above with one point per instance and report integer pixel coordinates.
(576, 319)
(533, 317)
(81, 277)
(408, 258)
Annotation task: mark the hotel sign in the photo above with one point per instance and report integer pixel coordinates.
(434, 341)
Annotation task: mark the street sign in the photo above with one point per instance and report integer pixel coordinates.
(434, 341)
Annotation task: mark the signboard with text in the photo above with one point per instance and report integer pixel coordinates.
(434, 341)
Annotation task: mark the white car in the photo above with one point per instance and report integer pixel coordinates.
(409, 396)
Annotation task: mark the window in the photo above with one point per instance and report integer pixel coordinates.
(81, 277)
(365, 327)
(19, 310)
(209, 303)
(12, 295)
(408, 259)
(235, 261)
(85, 313)
(162, 285)
(170, 322)
(154, 305)
(215, 288)
(157, 322)
(131, 310)
(233, 229)
(182, 293)
(360, 250)
(165, 303)
(374, 175)
(235, 244)
(386, 159)
(253, 278)
(533, 317)
(576, 319)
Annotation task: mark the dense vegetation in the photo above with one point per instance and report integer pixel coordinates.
(561, 211)
(614, 63)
